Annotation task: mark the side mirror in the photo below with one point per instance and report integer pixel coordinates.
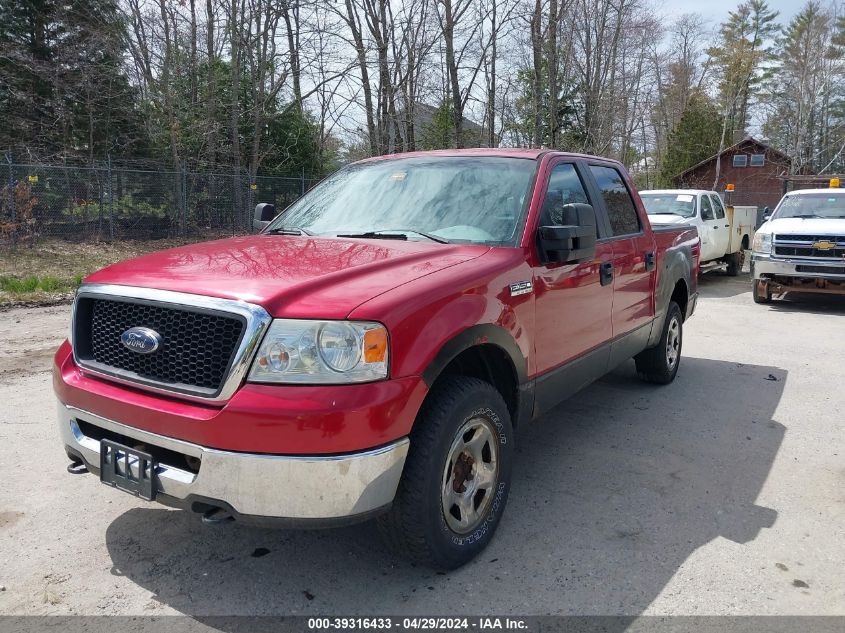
(264, 214)
(767, 213)
(572, 242)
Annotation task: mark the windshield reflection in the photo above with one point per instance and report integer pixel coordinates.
(669, 204)
(471, 199)
(812, 205)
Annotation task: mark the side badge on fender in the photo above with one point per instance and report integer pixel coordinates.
(521, 288)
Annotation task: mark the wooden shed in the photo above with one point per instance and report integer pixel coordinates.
(754, 168)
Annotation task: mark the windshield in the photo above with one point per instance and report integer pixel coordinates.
(682, 204)
(472, 199)
(812, 205)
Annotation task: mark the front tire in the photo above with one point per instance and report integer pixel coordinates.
(660, 363)
(760, 291)
(456, 479)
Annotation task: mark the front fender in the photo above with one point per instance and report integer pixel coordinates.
(483, 334)
(437, 317)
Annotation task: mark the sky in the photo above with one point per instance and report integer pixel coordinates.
(717, 10)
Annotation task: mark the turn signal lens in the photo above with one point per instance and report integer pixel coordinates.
(375, 346)
(277, 357)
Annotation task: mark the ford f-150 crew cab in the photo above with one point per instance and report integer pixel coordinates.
(371, 352)
(726, 232)
(801, 247)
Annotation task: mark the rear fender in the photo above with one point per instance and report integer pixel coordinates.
(676, 266)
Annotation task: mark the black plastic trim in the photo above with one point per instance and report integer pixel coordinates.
(564, 381)
(483, 334)
(629, 345)
(487, 334)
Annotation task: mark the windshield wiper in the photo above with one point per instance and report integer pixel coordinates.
(805, 216)
(287, 230)
(395, 234)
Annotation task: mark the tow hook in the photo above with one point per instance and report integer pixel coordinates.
(216, 516)
(76, 467)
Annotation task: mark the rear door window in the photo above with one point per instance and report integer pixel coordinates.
(621, 210)
(706, 209)
(718, 207)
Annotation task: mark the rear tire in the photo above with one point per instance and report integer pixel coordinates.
(760, 291)
(734, 262)
(456, 479)
(660, 363)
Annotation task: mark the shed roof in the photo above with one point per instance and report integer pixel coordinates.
(748, 139)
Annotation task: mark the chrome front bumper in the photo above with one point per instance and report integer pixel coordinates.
(764, 267)
(297, 488)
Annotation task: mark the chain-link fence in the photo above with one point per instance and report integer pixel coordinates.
(105, 203)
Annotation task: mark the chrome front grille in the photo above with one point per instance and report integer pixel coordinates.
(206, 343)
(804, 246)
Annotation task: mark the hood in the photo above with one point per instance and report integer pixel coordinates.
(802, 226)
(669, 219)
(290, 276)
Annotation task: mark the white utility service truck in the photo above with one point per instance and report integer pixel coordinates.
(726, 232)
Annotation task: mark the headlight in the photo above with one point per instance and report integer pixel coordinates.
(324, 352)
(762, 243)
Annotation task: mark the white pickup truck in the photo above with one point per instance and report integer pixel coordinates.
(801, 247)
(726, 233)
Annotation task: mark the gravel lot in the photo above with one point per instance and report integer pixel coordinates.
(723, 493)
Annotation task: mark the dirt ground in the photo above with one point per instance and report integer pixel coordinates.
(66, 263)
(719, 494)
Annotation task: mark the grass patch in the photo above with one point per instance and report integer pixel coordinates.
(51, 270)
(50, 284)
(31, 283)
(11, 284)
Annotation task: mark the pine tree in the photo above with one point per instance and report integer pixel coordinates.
(833, 149)
(695, 138)
(27, 98)
(63, 90)
(801, 88)
(744, 48)
(569, 135)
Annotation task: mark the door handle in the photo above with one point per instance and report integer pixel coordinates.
(606, 273)
(649, 260)
(715, 228)
(727, 226)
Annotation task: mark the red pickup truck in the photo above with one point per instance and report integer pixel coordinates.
(371, 352)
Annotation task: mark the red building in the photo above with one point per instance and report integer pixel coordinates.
(756, 170)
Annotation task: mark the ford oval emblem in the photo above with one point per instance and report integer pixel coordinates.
(141, 339)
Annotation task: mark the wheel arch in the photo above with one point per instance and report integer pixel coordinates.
(672, 286)
(680, 295)
(490, 353)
